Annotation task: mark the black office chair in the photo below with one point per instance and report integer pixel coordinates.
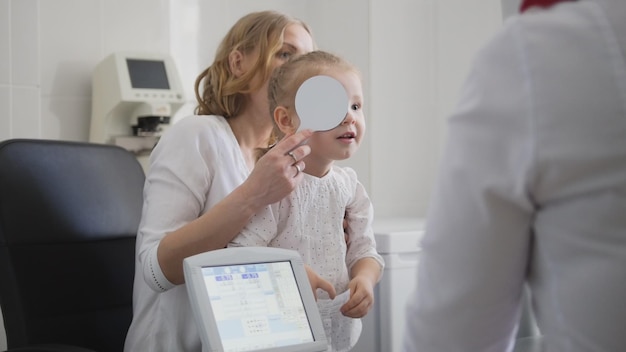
(69, 214)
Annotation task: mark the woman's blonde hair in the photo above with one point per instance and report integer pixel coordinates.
(218, 91)
(286, 80)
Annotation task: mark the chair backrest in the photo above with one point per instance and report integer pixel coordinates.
(69, 214)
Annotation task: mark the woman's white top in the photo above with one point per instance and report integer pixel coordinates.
(532, 186)
(195, 165)
(310, 221)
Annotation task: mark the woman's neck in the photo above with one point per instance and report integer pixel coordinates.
(251, 133)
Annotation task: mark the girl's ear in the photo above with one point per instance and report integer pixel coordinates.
(284, 121)
(235, 63)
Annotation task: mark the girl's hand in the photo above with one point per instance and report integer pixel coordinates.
(278, 172)
(318, 282)
(361, 297)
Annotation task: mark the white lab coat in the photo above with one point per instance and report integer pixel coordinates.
(532, 186)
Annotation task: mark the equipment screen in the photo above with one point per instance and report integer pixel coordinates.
(150, 74)
(257, 306)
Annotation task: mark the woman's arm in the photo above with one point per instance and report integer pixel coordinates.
(271, 180)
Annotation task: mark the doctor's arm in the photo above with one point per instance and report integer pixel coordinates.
(475, 251)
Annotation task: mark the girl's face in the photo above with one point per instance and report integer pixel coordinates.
(342, 141)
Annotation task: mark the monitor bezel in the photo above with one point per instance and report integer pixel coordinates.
(201, 306)
(128, 93)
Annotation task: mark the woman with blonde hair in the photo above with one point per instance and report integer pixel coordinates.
(204, 183)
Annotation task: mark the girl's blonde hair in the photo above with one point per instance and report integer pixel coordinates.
(286, 80)
(218, 91)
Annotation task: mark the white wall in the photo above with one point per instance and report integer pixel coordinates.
(49, 49)
(413, 55)
(419, 52)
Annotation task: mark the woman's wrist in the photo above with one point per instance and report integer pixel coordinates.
(248, 202)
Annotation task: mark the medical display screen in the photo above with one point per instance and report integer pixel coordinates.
(147, 74)
(257, 306)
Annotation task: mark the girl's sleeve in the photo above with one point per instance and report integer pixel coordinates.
(260, 231)
(360, 214)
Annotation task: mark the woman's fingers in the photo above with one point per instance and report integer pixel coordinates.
(292, 146)
(277, 173)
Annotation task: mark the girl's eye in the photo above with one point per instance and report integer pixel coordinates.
(355, 107)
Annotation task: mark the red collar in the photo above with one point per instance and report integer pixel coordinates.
(526, 4)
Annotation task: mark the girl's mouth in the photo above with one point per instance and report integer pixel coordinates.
(347, 135)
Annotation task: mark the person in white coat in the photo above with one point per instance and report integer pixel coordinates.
(532, 191)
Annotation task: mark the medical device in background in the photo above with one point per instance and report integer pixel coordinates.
(398, 242)
(134, 95)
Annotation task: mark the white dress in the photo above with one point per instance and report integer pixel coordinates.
(310, 221)
(532, 187)
(195, 165)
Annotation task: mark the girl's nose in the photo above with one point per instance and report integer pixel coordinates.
(349, 119)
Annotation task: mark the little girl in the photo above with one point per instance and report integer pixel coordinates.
(311, 219)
